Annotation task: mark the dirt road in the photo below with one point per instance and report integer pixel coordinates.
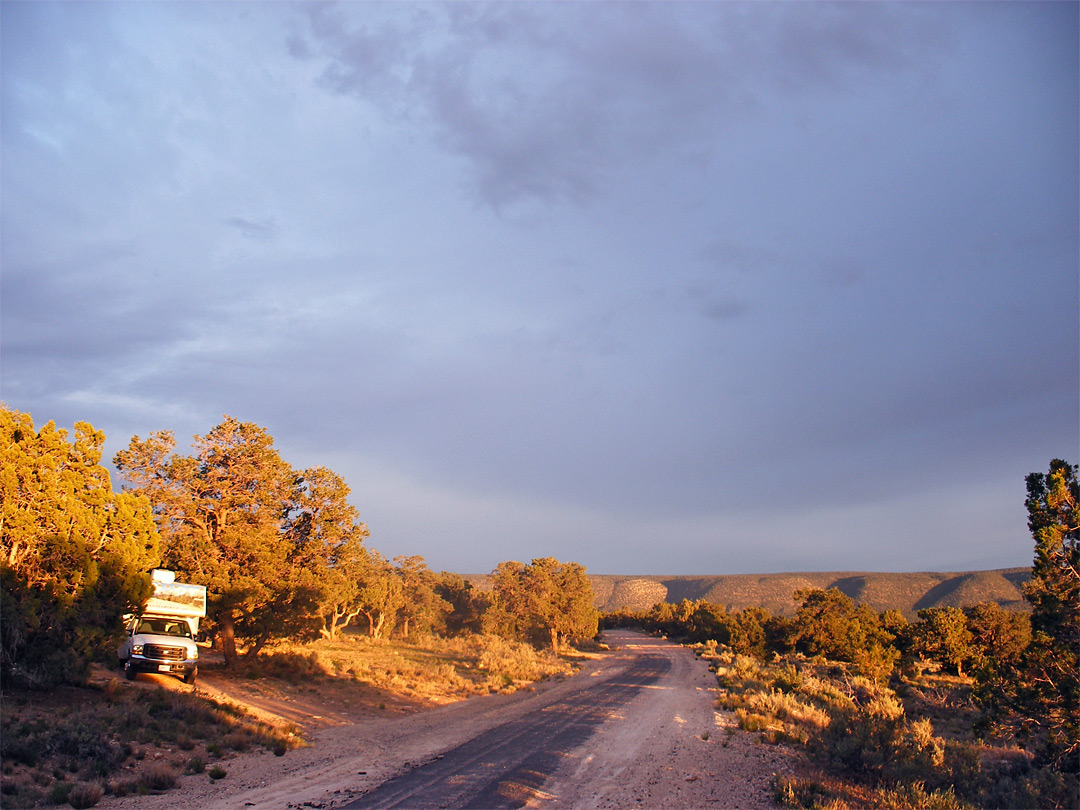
(508, 765)
(635, 728)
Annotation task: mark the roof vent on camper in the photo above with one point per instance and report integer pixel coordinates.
(162, 575)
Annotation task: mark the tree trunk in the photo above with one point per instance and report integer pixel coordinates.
(258, 645)
(330, 624)
(228, 638)
(554, 639)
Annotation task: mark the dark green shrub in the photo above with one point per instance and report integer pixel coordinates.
(787, 678)
(21, 748)
(58, 793)
(84, 743)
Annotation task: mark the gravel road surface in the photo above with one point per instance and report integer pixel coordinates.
(636, 728)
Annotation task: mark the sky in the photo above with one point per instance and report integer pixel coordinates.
(679, 288)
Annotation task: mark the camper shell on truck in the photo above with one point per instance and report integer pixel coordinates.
(162, 637)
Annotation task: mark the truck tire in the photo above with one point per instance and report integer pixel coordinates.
(189, 676)
(129, 672)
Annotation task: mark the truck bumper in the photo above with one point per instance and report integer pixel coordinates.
(137, 663)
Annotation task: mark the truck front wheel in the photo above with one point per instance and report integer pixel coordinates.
(129, 671)
(189, 676)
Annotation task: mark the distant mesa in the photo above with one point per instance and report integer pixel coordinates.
(637, 594)
(909, 592)
(906, 592)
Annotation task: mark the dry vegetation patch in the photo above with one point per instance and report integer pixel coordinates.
(427, 671)
(72, 745)
(909, 744)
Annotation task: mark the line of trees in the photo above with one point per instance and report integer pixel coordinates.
(281, 551)
(829, 624)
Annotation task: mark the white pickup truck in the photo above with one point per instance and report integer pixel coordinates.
(162, 637)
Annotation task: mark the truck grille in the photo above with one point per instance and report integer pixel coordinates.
(162, 653)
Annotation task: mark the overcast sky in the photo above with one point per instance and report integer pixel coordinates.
(673, 289)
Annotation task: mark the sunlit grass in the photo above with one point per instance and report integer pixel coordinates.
(428, 669)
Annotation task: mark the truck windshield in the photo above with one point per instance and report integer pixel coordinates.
(164, 627)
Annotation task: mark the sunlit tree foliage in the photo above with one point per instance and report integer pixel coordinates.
(74, 555)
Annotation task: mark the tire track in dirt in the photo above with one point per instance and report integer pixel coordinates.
(506, 766)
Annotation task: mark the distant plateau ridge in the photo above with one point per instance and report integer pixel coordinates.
(908, 593)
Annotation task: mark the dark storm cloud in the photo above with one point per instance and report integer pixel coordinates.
(543, 106)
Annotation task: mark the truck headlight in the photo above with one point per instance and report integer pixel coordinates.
(136, 649)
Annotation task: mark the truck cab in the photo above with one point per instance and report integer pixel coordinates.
(160, 644)
(162, 637)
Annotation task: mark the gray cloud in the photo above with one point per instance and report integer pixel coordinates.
(542, 106)
(762, 285)
(260, 229)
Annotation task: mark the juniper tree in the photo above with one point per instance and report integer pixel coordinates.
(1050, 692)
(545, 599)
(223, 513)
(74, 555)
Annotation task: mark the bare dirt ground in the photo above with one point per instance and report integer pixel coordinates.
(667, 748)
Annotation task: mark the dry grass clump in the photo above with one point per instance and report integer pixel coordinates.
(776, 698)
(286, 663)
(808, 794)
(790, 708)
(157, 777)
(85, 794)
(517, 661)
